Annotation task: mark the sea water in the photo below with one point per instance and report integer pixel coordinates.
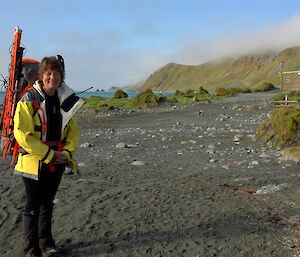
(103, 94)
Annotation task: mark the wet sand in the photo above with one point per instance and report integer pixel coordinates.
(204, 187)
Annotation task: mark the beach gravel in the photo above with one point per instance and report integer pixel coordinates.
(203, 186)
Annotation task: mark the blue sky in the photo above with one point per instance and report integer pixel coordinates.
(121, 42)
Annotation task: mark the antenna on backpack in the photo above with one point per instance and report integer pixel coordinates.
(84, 91)
(62, 62)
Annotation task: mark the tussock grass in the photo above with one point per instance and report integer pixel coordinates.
(263, 87)
(281, 128)
(292, 153)
(185, 100)
(147, 99)
(93, 101)
(120, 94)
(221, 91)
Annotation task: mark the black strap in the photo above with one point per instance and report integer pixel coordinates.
(38, 128)
(69, 152)
(45, 157)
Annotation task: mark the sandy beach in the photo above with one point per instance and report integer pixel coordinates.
(170, 181)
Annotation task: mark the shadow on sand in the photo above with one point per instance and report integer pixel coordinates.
(235, 227)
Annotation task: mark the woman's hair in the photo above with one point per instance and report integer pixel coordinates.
(50, 63)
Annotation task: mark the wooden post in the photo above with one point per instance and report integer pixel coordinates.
(286, 99)
(281, 73)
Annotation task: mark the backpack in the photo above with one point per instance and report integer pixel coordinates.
(22, 74)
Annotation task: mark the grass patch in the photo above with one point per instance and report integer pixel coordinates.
(221, 91)
(281, 128)
(93, 101)
(292, 96)
(190, 96)
(120, 94)
(246, 90)
(292, 153)
(185, 100)
(263, 87)
(146, 99)
(103, 103)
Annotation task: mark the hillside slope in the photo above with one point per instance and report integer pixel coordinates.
(245, 71)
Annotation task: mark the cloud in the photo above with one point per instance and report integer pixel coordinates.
(134, 64)
(139, 65)
(273, 38)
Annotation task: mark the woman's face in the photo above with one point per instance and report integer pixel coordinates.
(51, 81)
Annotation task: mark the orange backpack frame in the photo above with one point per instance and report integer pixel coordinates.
(17, 86)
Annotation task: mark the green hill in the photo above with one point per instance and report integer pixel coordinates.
(245, 71)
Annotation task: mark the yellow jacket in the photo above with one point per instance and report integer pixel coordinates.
(30, 129)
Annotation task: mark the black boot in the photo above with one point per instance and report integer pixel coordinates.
(31, 240)
(33, 253)
(54, 250)
(45, 226)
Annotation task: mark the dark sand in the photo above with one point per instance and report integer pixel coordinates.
(192, 197)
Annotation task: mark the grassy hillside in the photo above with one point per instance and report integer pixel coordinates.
(245, 71)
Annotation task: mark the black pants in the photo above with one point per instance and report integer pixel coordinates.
(37, 217)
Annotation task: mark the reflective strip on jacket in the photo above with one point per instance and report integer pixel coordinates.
(30, 128)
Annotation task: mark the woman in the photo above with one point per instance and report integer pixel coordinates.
(47, 132)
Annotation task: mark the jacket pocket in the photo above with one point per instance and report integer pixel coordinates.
(28, 164)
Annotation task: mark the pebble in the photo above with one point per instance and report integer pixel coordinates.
(210, 151)
(121, 145)
(137, 163)
(270, 188)
(86, 145)
(132, 145)
(264, 155)
(57, 201)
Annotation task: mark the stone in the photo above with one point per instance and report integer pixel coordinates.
(86, 145)
(121, 146)
(137, 163)
(264, 155)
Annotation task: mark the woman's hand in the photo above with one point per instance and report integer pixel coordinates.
(59, 158)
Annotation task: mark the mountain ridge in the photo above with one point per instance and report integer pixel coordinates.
(246, 71)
